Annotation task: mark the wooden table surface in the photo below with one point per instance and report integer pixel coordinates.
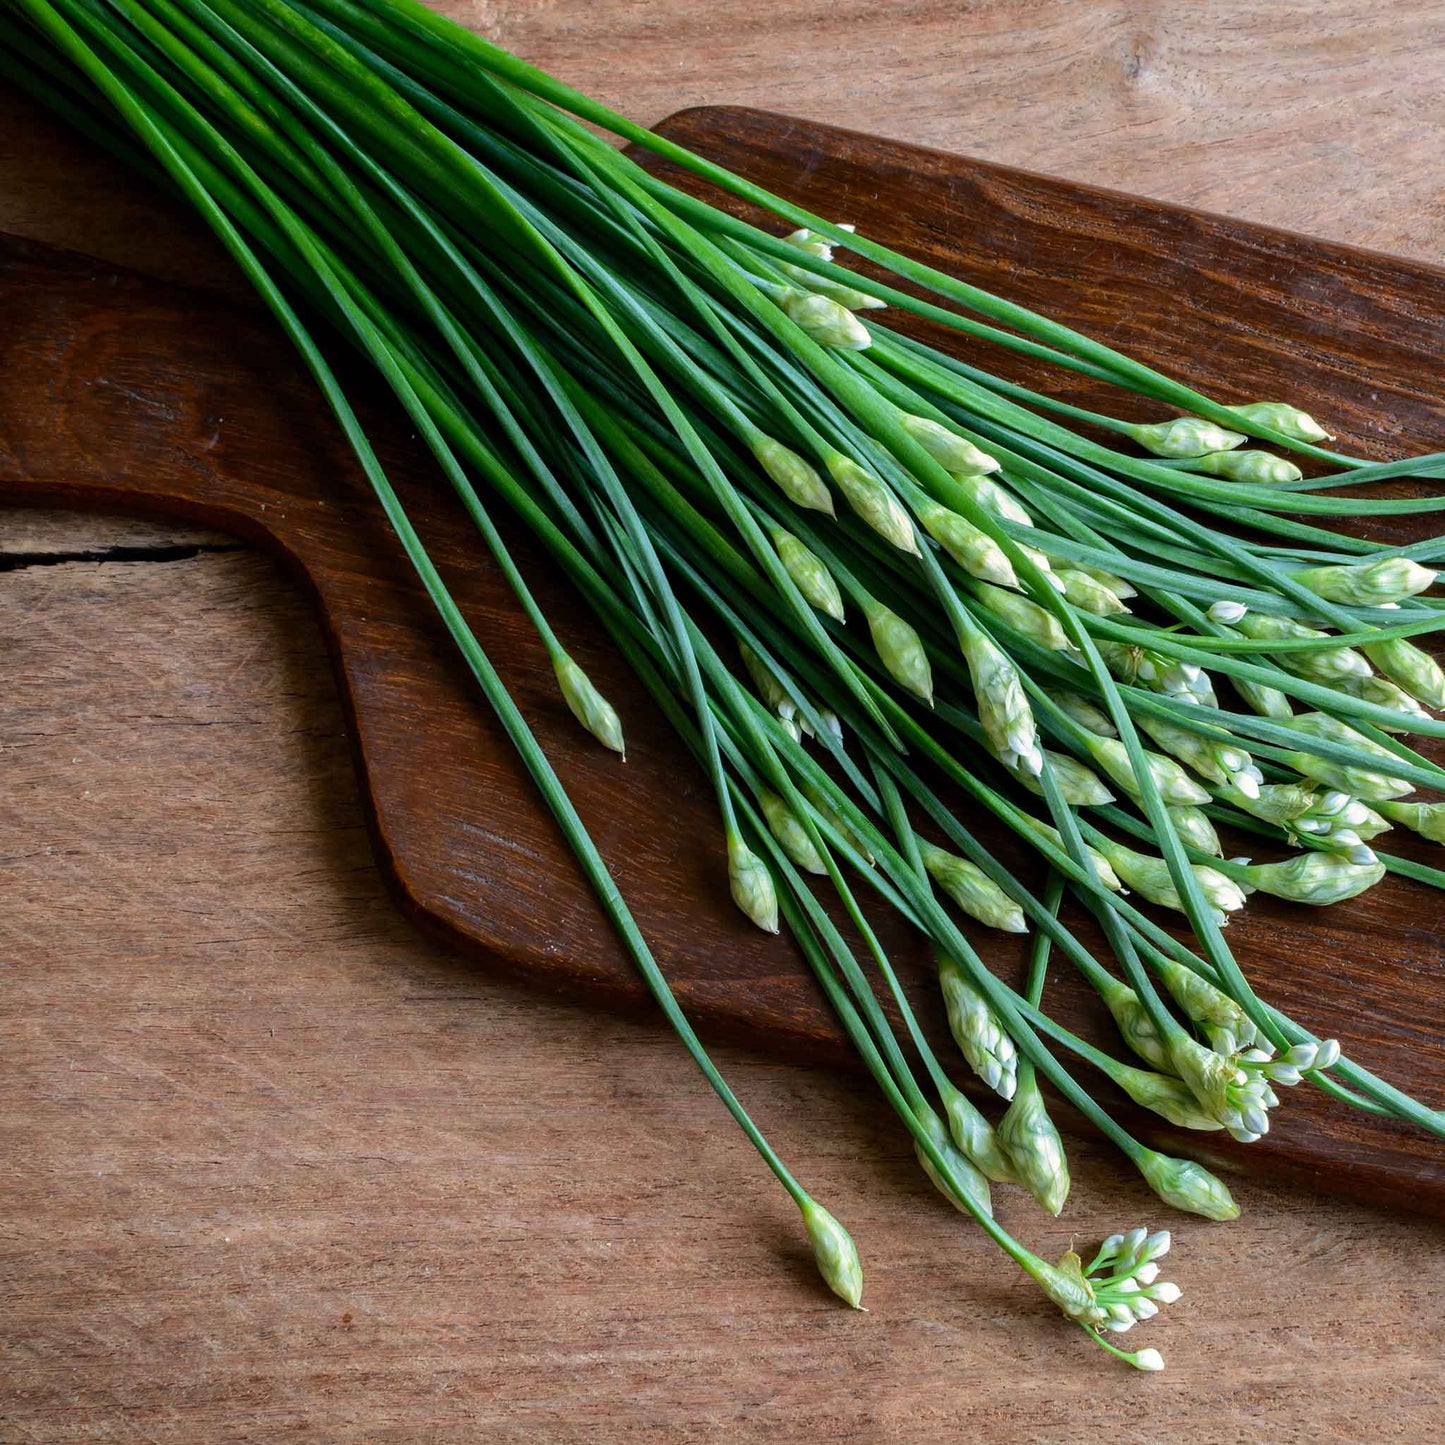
(273, 1168)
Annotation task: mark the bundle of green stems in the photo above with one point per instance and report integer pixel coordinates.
(894, 605)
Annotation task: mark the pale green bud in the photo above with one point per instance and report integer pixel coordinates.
(809, 573)
(825, 812)
(791, 835)
(1279, 416)
(974, 550)
(1088, 593)
(975, 1136)
(1175, 786)
(1426, 819)
(1024, 614)
(834, 1252)
(1359, 782)
(900, 650)
(1194, 827)
(588, 705)
(752, 885)
(1384, 693)
(1150, 877)
(1220, 762)
(1266, 701)
(1003, 708)
(967, 1183)
(1119, 586)
(1162, 1094)
(1226, 1025)
(1087, 714)
(1368, 584)
(1034, 1146)
(952, 452)
(1135, 1026)
(1102, 870)
(793, 476)
(1411, 668)
(1187, 1185)
(1154, 670)
(1259, 468)
(873, 502)
(1327, 664)
(844, 295)
(812, 243)
(1318, 878)
(976, 1029)
(973, 890)
(1183, 436)
(765, 680)
(991, 497)
(827, 322)
(1081, 787)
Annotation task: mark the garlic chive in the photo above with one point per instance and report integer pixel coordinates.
(588, 705)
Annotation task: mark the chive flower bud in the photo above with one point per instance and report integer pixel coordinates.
(827, 815)
(1317, 878)
(974, 550)
(1034, 1146)
(952, 452)
(1156, 671)
(813, 244)
(1359, 782)
(774, 695)
(1081, 787)
(1280, 416)
(1226, 610)
(588, 705)
(976, 1029)
(1384, 693)
(873, 502)
(900, 650)
(1326, 664)
(825, 320)
(791, 835)
(1187, 1186)
(1162, 1094)
(1411, 668)
(1260, 468)
(1175, 786)
(752, 884)
(834, 1253)
(1211, 758)
(838, 291)
(972, 890)
(1226, 1025)
(1239, 1097)
(1025, 615)
(1088, 593)
(794, 477)
(975, 1137)
(991, 497)
(1135, 1026)
(1266, 701)
(1102, 870)
(1003, 708)
(1150, 877)
(809, 573)
(1426, 819)
(1087, 714)
(1194, 827)
(1368, 584)
(1183, 436)
(964, 1181)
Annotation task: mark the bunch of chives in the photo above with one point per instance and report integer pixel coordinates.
(881, 594)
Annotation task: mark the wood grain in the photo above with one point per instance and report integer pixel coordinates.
(122, 1320)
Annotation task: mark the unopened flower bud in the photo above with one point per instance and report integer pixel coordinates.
(1426, 819)
(1195, 828)
(1081, 787)
(1188, 1186)
(1183, 436)
(809, 573)
(791, 835)
(1226, 611)
(825, 320)
(1089, 594)
(1317, 878)
(900, 650)
(588, 705)
(973, 890)
(873, 502)
(976, 1029)
(1025, 615)
(974, 550)
(1034, 1146)
(834, 1253)
(1258, 468)
(1360, 782)
(1411, 668)
(1367, 584)
(963, 1182)
(1175, 786)
(793, 476)
(1003, 708)
(1228, 1027)
(1280, 416)
(752, 885)
(952, 452)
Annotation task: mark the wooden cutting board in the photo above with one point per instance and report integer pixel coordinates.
(123, 393)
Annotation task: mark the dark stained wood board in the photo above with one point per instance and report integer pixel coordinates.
(117, 391)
